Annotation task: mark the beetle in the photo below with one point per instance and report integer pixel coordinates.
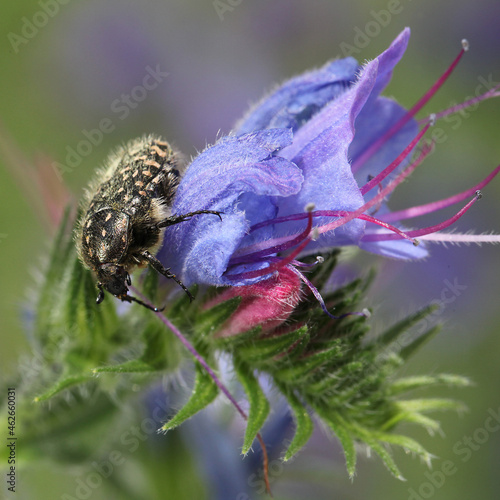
(125, 211)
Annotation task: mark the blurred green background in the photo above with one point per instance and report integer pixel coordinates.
(66, 67)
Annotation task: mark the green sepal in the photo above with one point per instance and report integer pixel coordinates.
(209, 321)
(392, 333)
(406, 384)
(341, 430)
(266, 348)
(431, 404)
(429, 424)
(303, 423)
(49, 295)
(371, 438)
(408, 444)
(300, 346)
(234, 342)
(303, 368)
(258, 403)
(64, 382)
(160, 351)
(412, 348)
(132, 366)
(204, 392)
(384, 454)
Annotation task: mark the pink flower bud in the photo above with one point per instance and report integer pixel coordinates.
(267, 303)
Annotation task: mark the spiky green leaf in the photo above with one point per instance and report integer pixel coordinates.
(265, 349)
(63, 383)
(203, 393)
(406, 384)
(412, 348)
(210, 320)
(303, 423)
(395, 331)
(344, 435)
(258, 403)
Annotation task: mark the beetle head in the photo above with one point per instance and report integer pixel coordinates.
(114, 279)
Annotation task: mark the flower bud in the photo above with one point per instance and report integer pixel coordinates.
(267, 303)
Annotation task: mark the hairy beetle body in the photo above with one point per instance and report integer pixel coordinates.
(125, 212)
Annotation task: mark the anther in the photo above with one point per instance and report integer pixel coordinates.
(465, 44)
(479, 195)
(309, 207)
(432, 119)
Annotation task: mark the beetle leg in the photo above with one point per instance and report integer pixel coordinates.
(158, 267)
(176, 219)
(130, 298)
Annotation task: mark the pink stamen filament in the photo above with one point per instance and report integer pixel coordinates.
(275, 248)
(395, 164)
(278, 245)
(394, 229)
(425, 230)
(272, 267)
(494, 92)
(319, 298)
(256, 256)
(408, 213)
(258, 247)
(296, 263)
(375, 146)
(257, 252)
(380, 196)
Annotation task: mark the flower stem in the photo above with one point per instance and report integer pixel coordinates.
(185, 342)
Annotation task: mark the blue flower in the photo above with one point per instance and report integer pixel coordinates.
(325, 140)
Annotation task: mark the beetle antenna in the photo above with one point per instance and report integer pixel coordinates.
(130, 298)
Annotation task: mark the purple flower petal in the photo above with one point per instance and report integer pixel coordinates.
(320, 148)
(327, 119)
(388, 60)
(376, 118)
(236, 171)
(297, 100)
